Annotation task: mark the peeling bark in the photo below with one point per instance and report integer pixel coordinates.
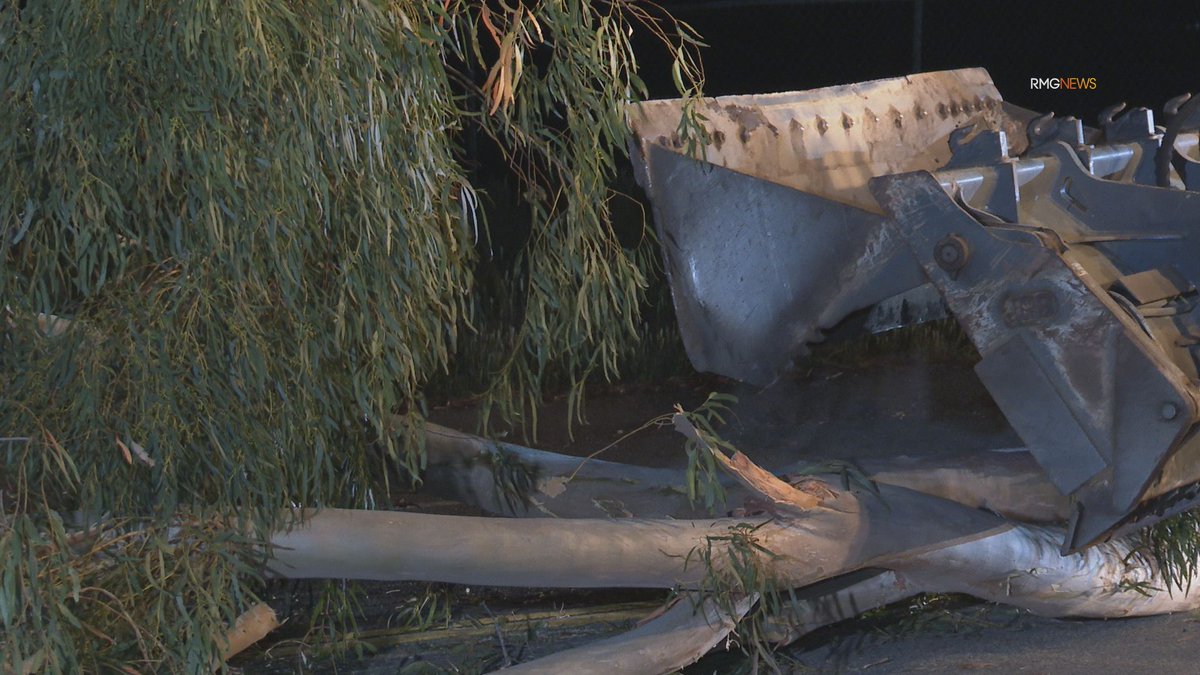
(252, 626)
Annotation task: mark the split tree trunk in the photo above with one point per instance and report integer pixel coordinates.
(914, 542)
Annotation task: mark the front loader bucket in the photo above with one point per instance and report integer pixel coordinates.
(926, 196)
(773, 236)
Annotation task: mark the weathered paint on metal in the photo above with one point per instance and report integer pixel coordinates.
(1075, 278)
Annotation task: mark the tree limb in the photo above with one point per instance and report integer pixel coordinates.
(670, 641)
(459, 467)
(829, 602)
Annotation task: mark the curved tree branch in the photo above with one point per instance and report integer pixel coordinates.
(670, 641)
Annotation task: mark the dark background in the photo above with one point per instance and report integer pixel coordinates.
(1140, 52)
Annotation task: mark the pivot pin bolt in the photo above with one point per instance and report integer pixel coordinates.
(951, 253)
(1169, 411)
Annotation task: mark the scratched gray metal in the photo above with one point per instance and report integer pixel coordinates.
(1098, 403)
(759, 270)
(897, 201)
(773, 237)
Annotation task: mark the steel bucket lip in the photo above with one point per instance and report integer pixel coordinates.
(831, 140)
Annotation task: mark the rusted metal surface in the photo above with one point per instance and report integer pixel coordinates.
(1051, 243)
(829, 142)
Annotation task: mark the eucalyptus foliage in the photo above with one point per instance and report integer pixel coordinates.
(238, 239)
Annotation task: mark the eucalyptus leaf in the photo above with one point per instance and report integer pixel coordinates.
(263, 220)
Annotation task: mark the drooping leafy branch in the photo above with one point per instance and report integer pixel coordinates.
(256, 222)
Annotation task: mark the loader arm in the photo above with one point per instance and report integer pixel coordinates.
(1072, 272)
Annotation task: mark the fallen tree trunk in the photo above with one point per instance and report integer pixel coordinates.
(1022, 566)
(541, 552)
(1007, 563)
(961, 551)
(900, 541)
(850, 532)
(931, 544)
(1009, 482)
(463, 467)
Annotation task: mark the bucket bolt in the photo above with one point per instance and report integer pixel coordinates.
(952, 253)
(1169, 411)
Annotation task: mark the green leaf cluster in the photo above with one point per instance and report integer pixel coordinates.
(237, 239)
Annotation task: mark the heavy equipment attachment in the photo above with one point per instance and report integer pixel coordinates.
(1069, 254)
